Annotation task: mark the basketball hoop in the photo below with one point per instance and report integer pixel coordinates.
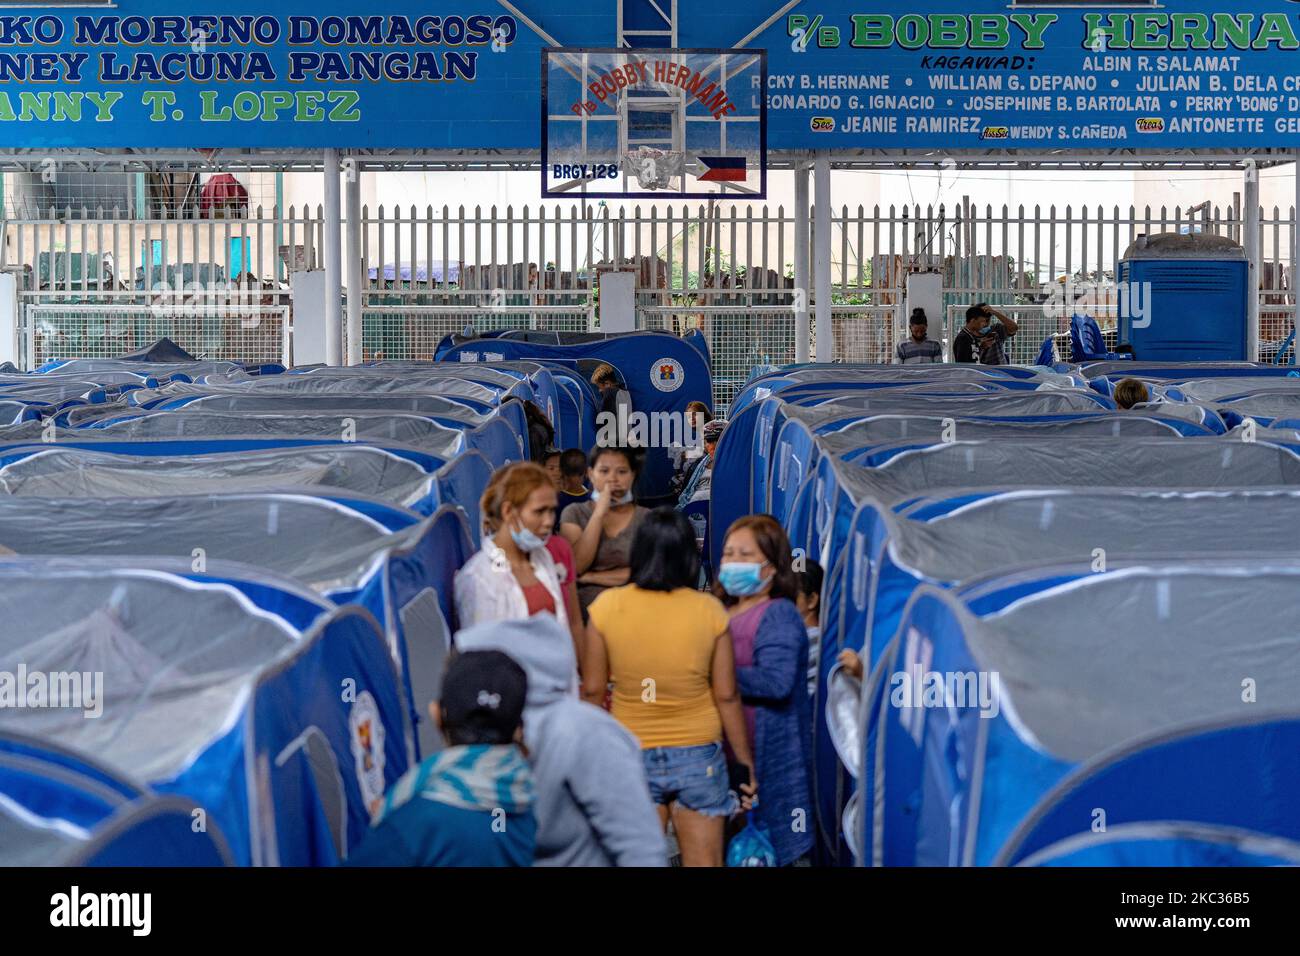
(653, 168)
(654, 122)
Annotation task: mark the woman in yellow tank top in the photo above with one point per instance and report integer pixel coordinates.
(665, 648)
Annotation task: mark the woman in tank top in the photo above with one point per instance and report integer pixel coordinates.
(601, 530)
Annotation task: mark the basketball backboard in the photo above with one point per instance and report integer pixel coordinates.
(654, 123)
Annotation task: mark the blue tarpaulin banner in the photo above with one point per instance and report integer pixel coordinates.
(952, 74)
(141, 73)
(989, 74)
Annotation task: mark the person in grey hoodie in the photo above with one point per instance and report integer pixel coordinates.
(592, 803)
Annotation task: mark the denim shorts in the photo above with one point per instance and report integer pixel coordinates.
(695, 777)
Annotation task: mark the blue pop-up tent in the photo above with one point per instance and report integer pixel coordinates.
(282, 715)
(1028, 529)
(744, 455)
(127, 469)
(852, 377)
(662, 373)
(381, 557)
(967, 780)
(1240, 812)
(59, 808)
(846, 511)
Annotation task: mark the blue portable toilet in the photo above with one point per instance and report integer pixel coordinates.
(1186, 298)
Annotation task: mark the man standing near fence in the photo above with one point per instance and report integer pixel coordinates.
(982, 339)
(917, 349)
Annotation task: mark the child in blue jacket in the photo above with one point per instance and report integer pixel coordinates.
(472, 803)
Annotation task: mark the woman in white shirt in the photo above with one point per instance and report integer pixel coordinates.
(513, 576)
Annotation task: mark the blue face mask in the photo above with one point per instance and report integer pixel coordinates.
(742, 579)
(626, 499)
(526, 541)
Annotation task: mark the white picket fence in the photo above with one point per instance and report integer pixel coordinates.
(725, 269)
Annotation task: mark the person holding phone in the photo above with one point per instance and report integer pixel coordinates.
(982, 339)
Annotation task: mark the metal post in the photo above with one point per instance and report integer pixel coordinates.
(277, 234)
(1250, 242)
(802, 326)
(333, 262)
(1295, 263)
(822, 254)
(355, 277)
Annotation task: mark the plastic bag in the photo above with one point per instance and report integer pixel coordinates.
(751, 847)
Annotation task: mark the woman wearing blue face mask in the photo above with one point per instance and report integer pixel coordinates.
(758, 585)
(601, 530)
(514, 576)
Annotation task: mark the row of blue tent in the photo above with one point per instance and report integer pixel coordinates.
(255, 563)
(1074, 621)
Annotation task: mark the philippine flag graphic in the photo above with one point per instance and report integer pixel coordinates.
(723, 169)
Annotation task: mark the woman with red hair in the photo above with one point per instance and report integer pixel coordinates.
(513, 576)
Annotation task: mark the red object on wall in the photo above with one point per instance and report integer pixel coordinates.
(222, 191)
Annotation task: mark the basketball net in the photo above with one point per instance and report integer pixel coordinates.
(653, 168)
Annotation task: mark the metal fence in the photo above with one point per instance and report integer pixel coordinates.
(229, 330)
(397, 326)
(726, 270)
(678, 250)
